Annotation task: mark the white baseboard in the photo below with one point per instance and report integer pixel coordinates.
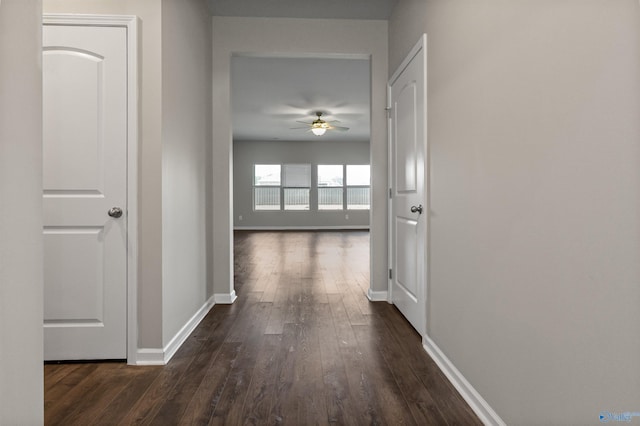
(186, 330)
(150, 357)
(163, 356)
(479, 406)
(302, 228)
(225, 298)
(378, 296)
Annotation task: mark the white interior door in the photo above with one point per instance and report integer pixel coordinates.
(409, 209)
(85, 183)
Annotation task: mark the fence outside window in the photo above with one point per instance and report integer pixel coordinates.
(358, 198)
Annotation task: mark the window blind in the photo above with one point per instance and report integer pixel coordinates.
(297, 176)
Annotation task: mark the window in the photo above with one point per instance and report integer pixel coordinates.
(266, 187)
(330, 187)
(358, 187)
(288, 187)
(296, 186)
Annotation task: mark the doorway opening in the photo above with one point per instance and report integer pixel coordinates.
(285, 176)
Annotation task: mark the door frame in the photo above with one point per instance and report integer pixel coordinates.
(335, 37)
(130, 23)
(420, 45)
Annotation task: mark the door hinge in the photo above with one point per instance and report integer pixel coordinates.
(390, 193)
(388, 109)
(390, 273)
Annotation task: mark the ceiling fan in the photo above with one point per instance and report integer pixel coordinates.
(319, 126)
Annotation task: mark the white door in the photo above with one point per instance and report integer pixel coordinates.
(85, 188)
(409, 209)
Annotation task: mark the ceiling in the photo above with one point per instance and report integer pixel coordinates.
(325, 9)
(270, 94)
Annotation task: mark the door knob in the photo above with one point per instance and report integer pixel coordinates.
(115, 212)
(417, 209)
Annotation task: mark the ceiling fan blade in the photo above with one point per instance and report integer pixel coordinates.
(298, 128)
(304, 122)
(339, 128)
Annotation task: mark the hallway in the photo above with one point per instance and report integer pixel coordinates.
(301, 345)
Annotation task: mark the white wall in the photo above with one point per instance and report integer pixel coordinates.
(21, 375)
(248, 153)
(535, 194)
(294, 37)
(186, 136)
(150, 153)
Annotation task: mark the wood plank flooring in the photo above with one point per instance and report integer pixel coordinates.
(301, 346)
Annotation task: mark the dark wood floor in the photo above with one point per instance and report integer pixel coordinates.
(300, 346)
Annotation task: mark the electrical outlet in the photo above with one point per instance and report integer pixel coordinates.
(240, 217)
(346, 216)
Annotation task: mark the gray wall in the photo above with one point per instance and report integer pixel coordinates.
(21, 386)
(186, 138)
(248, 153)
(534, 140)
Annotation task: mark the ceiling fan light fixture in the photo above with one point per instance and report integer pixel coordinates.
(319, 127)
(318, 131)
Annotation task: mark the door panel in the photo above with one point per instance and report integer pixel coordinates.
(405, 131)
(407, 94)
(84, 175)
(73, 161)
(407, 246)
(67, 248)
